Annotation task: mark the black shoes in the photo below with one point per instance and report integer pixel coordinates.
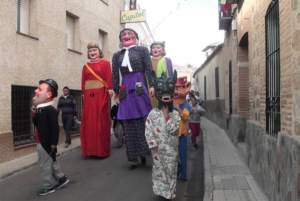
(143, 159)
(62, 181)
(46, 191)
(132, 167)
(195, 146)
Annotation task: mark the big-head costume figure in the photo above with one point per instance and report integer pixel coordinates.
(134, 63)
(160, 63)
(95, 121)
(182, 88)
(162, 127)
(45, 119)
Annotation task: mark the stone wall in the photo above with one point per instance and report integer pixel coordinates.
(236, 130)
(215, 111)
(275, 163)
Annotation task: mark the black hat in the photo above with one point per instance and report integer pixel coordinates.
(137, 36)
(52, 83)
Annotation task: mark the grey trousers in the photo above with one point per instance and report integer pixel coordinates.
(50, 171)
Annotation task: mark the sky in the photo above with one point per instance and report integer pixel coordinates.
(186, 26)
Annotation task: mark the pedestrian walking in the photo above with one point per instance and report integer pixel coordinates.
(134, 63)
(182, 88)
(194, 120)
(162, 127)
(46, 121)
(95, 120)
(117, 126)
(67, 106)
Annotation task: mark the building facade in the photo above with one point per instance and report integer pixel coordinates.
(47, 39)
(261, 61)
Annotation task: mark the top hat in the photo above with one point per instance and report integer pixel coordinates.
(181, 82)
(52, 83)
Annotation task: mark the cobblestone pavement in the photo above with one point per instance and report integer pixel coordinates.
(227, 177)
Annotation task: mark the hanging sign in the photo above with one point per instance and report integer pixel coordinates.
(129, 16)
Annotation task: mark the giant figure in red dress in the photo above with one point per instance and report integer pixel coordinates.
(95, 121)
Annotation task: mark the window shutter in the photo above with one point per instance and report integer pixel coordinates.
(100, 40)
(70, 32)
(24, 18)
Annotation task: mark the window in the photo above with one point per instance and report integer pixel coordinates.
(217, 81)
(22, 126)
(26, 22)
(272, 69)
(72, 31)
(23, 14)
(205, 88)
(101, 40)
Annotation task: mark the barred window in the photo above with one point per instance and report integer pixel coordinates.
(205, 88)
(272, 23)
(22, 126)
(217, 81)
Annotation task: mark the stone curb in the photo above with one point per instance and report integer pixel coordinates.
(10, 168)
(208, 183)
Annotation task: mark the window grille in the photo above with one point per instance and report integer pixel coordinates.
(77, 94)
(22, 126)
(217, 81)
(272, 69)
(23, 14)
(70, 32)
(230, 87)
(205, 88)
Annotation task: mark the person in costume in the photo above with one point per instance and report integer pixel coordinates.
(160, 64)
(182, 88)
(95, 121)
(45, 120)
(162, 127)
(134, 63)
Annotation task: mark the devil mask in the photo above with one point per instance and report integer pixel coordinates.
(164, 89)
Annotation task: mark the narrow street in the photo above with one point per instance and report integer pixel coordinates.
(107, 180)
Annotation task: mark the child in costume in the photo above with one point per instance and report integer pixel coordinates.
(46, 121)
(182, 88)
(134, 64)
(95, 120)
(194, 119)
(160, 64)
(162, 127)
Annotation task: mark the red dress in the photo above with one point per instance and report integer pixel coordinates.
(95, 121)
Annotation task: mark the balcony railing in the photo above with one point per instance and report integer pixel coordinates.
(224, 15)
(232, 1)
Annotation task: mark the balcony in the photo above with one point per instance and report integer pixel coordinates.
(224, 16)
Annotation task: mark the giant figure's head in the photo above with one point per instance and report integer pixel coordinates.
(94, 51)
(46, 92)
(182, 88)
(164, 89)
(157, 50)
(128, 37)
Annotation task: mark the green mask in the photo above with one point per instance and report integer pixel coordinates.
(164, 89)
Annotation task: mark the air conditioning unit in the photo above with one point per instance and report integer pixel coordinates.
(233, 25)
